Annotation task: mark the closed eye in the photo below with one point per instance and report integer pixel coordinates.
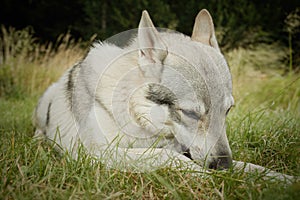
(191, 114)
(228, 110)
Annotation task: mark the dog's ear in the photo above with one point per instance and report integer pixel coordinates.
(204, 31)
(152, 49)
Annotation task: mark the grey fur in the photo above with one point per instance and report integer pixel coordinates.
(161, 95)
(70, 83)
(162, 100)
(48, 114)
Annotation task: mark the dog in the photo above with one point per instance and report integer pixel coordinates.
(161, 100)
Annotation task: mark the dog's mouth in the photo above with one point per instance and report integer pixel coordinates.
(222, 163)
(187, 153)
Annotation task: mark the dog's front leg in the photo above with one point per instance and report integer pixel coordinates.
(147, 159)
(269, 174)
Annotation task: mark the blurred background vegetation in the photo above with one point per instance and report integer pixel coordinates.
(238, 23)
(40, 39)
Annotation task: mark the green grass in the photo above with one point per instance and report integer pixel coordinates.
(263, 128)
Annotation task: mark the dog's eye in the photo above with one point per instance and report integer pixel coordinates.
(191, 114)
(228, 110)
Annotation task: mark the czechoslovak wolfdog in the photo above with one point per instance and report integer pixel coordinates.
(160, 100)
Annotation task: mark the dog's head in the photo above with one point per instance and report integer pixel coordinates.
(187, 80)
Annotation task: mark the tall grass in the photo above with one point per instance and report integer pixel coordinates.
(259, 80)
(263, 128)
(27, 67)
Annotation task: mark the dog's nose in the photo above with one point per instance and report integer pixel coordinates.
(222, 162)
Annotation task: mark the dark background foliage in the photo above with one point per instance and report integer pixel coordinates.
(238, 23)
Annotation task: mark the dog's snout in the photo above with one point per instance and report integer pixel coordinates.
(221, 162)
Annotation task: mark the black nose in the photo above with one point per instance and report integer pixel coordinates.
(221, 162)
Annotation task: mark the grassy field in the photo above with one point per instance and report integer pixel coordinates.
(263, 128)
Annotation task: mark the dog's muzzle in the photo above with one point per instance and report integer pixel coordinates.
(220, 163)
